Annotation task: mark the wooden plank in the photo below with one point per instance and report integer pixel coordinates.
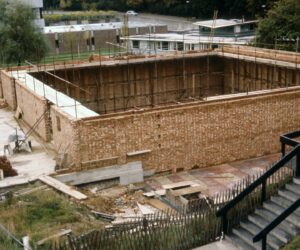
(160, 205)
(104, 215)
(180, 184)
(138, 152)
(62, 187)
(189, 190)
(62, 233)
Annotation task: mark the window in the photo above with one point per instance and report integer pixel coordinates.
(180, 46)
(136, 44)
(56, 41)
(58, 123)
(165, 45)
(158, 45)
(192, 46)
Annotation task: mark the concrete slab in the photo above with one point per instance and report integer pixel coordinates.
(128, 173)
(218, 245)
(28, 165)
(215, 179)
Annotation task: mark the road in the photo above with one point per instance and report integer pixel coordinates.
(174, 23)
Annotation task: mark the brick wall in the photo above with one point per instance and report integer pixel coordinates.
(33, 108)
(9, 91)
(1, 91)
(202, 134)
(65, 135)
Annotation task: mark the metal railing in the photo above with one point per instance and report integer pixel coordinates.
(261, 182)
(262, 235)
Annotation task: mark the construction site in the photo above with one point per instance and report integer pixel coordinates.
(122, 111)
(135, 119)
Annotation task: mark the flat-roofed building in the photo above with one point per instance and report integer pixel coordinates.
(37, 7)
(94, 37)
(209, 34)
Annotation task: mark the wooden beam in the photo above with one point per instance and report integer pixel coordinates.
(62, 187)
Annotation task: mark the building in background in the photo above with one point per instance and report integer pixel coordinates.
(209, 34)
(37, 7)
(95, 37)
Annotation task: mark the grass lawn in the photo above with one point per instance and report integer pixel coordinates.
(41, 214)
(294, 244)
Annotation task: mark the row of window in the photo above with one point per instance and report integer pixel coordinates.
(165, 45)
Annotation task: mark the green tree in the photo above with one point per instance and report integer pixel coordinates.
(281, 23)
(20, 38)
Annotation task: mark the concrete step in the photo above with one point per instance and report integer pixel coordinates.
(296, 181)
(288, 195)
(240, 244)
(277, 209)
(246, 236)
(262, 223)
(293, 188)
(284, 203)
(272, 242)
(285, 225)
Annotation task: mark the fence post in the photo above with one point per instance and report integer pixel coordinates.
(264, 243)
(282, 150)
(297, 171)
(225, 224)
(263, 192)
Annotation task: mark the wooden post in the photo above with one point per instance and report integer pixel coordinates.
(26, 244)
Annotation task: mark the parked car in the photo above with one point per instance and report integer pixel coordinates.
(131, 13)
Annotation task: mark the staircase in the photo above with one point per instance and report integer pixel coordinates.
(242, 236)
(266, 214)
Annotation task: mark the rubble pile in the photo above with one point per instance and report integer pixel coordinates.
(3, 103)
(5, 165)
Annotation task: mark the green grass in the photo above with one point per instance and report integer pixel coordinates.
(79, 15)
(42, 214)
(294, 244)
(69, 57)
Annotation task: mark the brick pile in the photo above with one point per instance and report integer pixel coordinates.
(5, 165)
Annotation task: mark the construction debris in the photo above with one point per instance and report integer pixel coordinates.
(5, 165)
(103, 215)
(3, 104)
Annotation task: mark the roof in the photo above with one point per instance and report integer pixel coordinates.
(94, 26)
(221, 23)
(190, 38)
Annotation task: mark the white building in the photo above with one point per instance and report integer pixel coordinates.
(37, 7)
(209, 34)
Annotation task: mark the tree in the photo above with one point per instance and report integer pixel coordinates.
(20, 38)
(281, 23)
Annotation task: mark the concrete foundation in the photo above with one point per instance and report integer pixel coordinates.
(128, 173)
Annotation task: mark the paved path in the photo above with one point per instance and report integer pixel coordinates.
(217, 178)
(28, 165)
(219, 245)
